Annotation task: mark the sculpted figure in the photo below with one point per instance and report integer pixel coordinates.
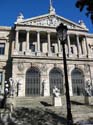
(12, 87)
(88, 88)
(56, 91)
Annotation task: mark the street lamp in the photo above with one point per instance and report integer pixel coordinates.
(62, 36)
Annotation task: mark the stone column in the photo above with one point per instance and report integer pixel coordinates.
(70, 85)
(59, 48)
(78, 46)
(38, 42)
(87, 47)
(27, 41)
(69, 48)
(17, 40)
(84, 47)
(49, 44)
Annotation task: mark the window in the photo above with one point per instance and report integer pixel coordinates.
(32, 47)
(20, 46)
(72, 50)
(0, 78)
(2, 48)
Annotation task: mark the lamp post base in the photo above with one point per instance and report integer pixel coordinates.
(69, 119)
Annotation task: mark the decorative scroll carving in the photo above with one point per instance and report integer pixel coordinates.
(20, 66)
(48, 21)
(86, 68)
(44, 68)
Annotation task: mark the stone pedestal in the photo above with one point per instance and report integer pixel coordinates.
(10, 103)
(57, 101)
(87, 100)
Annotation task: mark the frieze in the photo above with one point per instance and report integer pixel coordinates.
(50, 21)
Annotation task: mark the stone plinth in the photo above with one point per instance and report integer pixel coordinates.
(57, 101)
(87, 100)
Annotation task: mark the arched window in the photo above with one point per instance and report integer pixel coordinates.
(32, 82)
(56, 79)
(77, 82)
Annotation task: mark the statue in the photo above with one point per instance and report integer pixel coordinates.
(56, 92)
(12, 87)
(88, 88)
(56, 97)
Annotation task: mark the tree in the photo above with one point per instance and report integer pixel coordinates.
(81, 4)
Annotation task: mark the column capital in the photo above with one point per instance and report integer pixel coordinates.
(48, 32)
(38, 31)
(27, 30)
(16, 30)
(77, 35)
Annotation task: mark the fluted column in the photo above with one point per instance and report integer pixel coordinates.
(38, 42)
(69, 47)
(17, 40)
(27, 40)
(87, 47)
(84, 46)
(78, 46)
(59, 48)
(49, 46)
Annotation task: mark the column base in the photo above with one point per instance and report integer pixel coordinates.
(28, 52)
(60, 54)
(15, 52)
(89, 56)
(49, 54)
(38, 53)
(87, 100)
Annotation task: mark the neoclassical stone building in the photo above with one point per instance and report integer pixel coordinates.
(31, 54)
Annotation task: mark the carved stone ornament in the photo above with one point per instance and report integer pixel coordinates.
(76, 66)
(44, 67)
(20, 66)
(86, 68)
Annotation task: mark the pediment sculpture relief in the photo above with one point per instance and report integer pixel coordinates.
(49, 21)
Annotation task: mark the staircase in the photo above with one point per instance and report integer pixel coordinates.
(32, 101)
(46, 101)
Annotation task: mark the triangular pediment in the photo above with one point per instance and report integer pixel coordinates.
(48, 20)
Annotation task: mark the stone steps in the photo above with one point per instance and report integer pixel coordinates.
(41, 101)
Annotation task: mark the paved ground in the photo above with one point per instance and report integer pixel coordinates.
(40, 111)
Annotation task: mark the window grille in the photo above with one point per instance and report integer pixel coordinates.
(32, 82)
(56, 79)
(77, 82)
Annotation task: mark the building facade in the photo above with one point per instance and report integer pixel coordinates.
(31, 54)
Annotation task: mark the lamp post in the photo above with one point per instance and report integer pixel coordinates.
(62, 36)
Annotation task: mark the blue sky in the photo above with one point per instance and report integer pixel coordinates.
(10, 9)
